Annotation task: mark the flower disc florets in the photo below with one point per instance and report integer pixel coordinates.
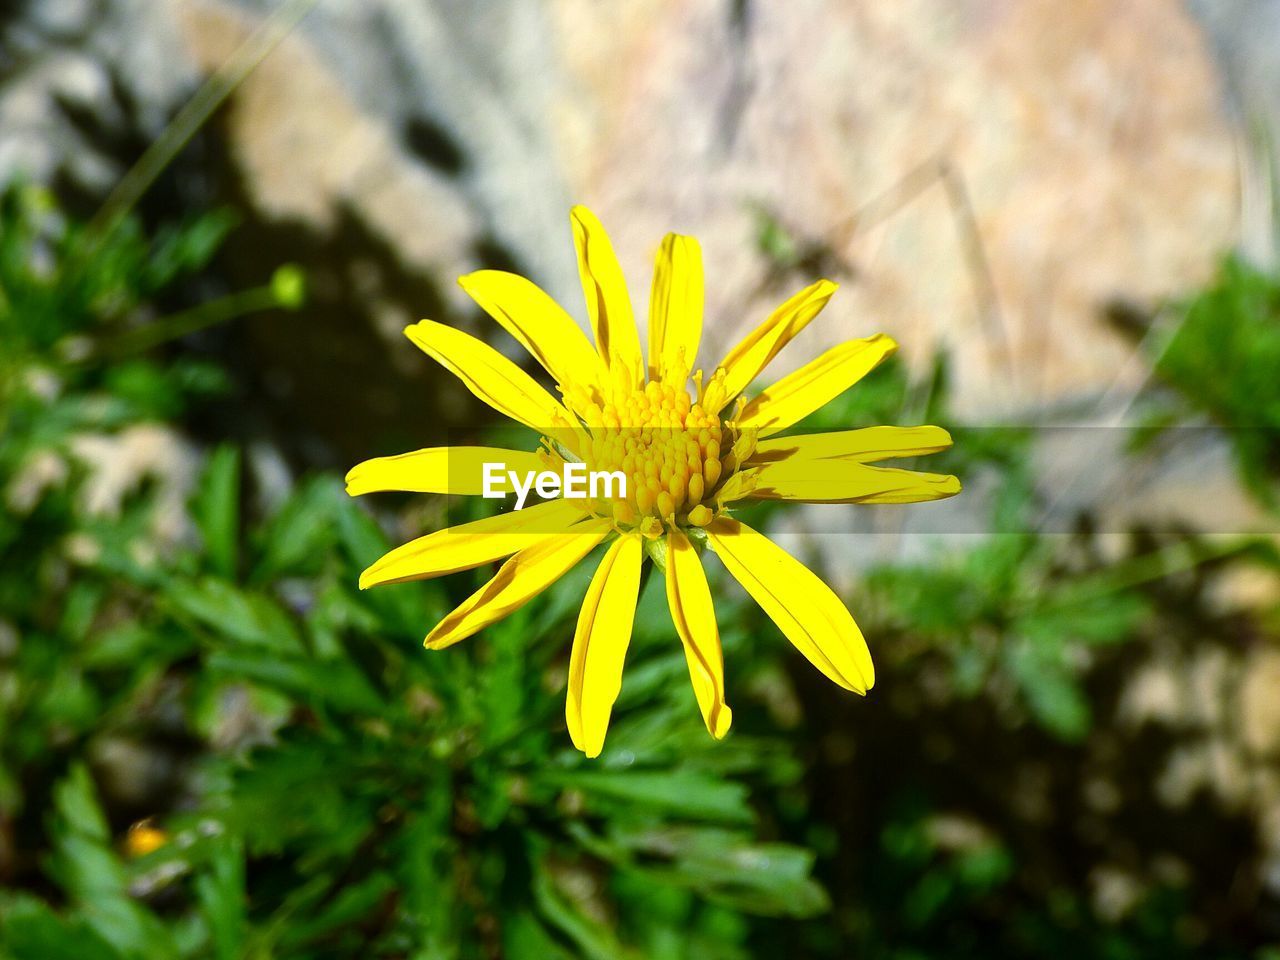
(678, 455)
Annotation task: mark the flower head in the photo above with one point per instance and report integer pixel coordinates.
(687, 445)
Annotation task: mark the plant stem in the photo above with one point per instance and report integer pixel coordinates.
(211, 95)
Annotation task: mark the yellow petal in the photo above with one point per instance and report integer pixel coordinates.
(753, 353)
(538, 322)
(815, 384)
(488, 374)
(675, 310)
(518, 581)
(608, 304)
(805, 609)
(471, 544)
(864, 446)
(600, 644)
(456, 470)
(845, 481)
(695, 618)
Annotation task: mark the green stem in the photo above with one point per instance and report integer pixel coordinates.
(1150, 567)
(246, 58)
(1170, 560)
(188, 321)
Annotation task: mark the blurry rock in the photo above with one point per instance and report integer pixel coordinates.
(1213, 767)
(1219, 708)
(1088, 139)
(1155, 693)
(239, 722)
(1259, 704)
(388, 147)
(43, 471)
(461, 95)
(1115, 892)
(982, 176)
(306, 152)
(1244, 33)
(120, 463)
(87, 84)
(133, 773)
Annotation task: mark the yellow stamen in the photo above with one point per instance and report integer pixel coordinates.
(700, 516)
(667, 446)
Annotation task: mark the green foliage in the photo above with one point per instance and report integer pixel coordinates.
(335, 789)
(323, 787)
(1223, 359)
(1001, 613)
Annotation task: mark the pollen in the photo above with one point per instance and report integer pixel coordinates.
(675, 451)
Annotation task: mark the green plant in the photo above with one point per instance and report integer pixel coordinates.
(1222, 360)
(212, 745)
(330, 788)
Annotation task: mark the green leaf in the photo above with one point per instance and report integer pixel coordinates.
(771, 879)
(524, 937)
(220, 892)
(31, 930)
(237, 615)
(1098, 620)
(402, 607)
(687, 794)
(299, 537)
(75, 802)
(592, 938)
(95, 880)
(338, 684)
(1051, 691)
(216, 510)
(351, 905)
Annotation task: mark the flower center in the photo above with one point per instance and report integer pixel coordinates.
(676, 454)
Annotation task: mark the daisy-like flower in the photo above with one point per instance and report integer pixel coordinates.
(690, 445)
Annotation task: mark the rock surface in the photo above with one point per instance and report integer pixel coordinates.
(1089, 140)
(1088, 152)
(981, 176)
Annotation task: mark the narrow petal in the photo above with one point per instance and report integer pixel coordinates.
(488, 374)
(600, 644)
(471, 544)
(540, 324)
(745, 361)
(519, 580)
(867, 445)
(689, 598)
(815, 384)
(805, 609)
(675, 310)
(455, 470)
(608, 304)
(844, 481)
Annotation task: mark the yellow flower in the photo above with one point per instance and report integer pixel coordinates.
(143, 838)
(689, 446)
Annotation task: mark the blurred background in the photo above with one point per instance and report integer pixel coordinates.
(216, 216)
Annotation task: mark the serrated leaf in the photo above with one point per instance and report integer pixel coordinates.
(692, 795)
(239, 615)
